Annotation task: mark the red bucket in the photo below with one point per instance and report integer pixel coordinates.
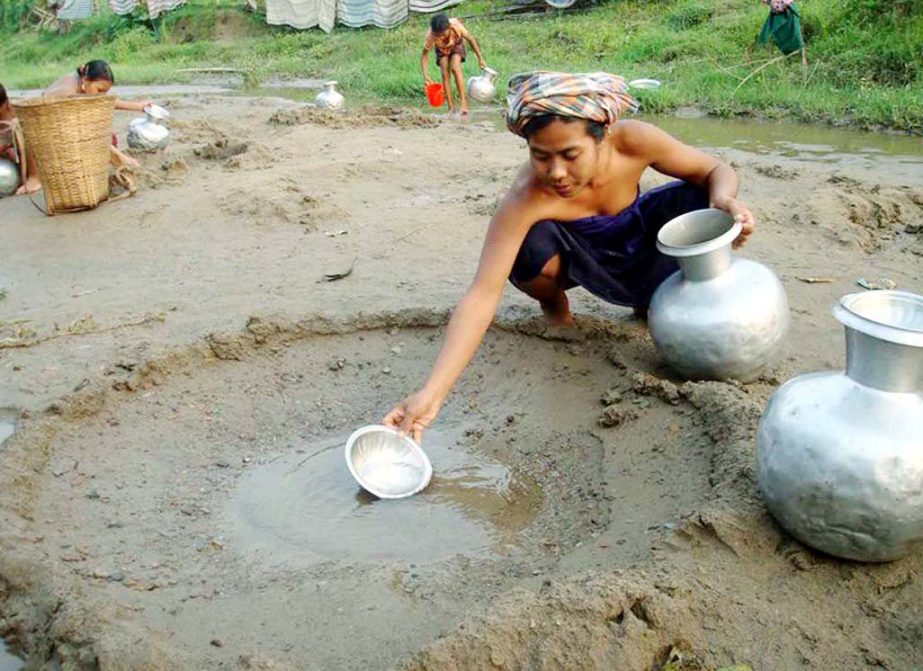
(434, 94)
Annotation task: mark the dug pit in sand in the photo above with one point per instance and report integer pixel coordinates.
(207, 507)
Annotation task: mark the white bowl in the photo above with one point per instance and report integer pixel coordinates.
(644, 84)
(386, 465)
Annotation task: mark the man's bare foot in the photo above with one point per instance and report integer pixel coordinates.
(31, 186)
(561, 327)
(464, 111)
(566, 332)
(558, 315)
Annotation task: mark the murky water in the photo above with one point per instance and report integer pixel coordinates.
(838, 147)
(7, 425)
(8, 661)
(306, 502)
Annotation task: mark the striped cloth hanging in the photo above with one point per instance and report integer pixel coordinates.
(154, 7)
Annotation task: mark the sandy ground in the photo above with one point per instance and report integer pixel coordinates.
(180, 376)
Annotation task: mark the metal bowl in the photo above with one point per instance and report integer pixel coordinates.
(644, 83)
(385, 464)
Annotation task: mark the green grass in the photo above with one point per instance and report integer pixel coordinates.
(865, 60)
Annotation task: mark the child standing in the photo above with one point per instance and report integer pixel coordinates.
(448, 36)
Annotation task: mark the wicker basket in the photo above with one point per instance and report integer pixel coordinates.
(69, 139)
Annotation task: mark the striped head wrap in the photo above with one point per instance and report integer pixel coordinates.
(596, 96)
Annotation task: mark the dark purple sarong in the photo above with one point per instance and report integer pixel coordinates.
(615, 256)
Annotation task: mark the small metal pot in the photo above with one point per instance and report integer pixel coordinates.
(9, 177)
(719, 317)
(148, 133)
(482, 88)
(330, 97)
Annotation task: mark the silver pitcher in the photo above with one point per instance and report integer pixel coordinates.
(482, 87)
(149, 133)
(840, 454)
(9, 177)
(719, 316)
(329, 97)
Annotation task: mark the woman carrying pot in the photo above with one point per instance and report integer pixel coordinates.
(574, 215)
(96, 78)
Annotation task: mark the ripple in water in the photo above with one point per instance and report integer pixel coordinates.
(306, 507)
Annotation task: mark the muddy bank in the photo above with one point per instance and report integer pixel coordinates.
(178, 366)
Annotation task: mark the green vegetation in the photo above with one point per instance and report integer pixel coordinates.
(865, 59)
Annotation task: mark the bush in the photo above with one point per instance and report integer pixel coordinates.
(12, 14)
(689, 16)
(129, 42)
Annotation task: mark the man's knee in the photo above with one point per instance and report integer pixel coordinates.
(551, 271)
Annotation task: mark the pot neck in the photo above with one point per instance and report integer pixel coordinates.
(706, 266)
(883, 365)
(700, 241)
(884, 339)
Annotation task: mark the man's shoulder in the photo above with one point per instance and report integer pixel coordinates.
(633, 137)
(526, 201)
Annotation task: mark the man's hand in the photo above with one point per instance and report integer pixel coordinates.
(741, 214)
(413, 414)
(482, 63)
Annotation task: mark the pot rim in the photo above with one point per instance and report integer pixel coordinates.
(411, 443)
(489, 70)
(157, 112)
(851, 311)
(699, 248)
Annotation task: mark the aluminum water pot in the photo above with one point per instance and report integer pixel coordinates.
(840, 454)
(149, 132)
(329, 97)
(482, 87)
(719, 316)
(9, 177)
